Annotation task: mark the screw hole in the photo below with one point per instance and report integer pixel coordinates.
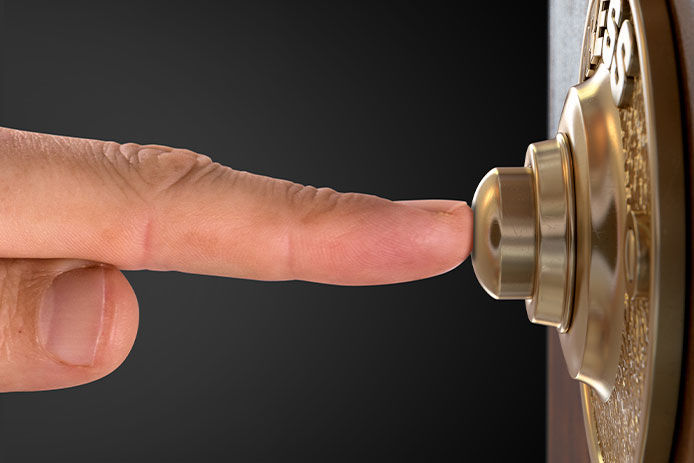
(495, 234)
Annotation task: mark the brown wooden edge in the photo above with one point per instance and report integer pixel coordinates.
(682, 20)
(566, 435)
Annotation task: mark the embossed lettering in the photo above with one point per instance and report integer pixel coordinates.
(624, 65)
(615, 15)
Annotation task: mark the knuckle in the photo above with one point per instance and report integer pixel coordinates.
(150, 177)
(152, 170)
(309, 205)
(310, 202)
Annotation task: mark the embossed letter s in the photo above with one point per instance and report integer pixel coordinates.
(614, 20)
(624, 65)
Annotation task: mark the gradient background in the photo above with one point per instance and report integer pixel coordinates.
(406, 100)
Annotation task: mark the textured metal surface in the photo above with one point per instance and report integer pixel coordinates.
(617, 424)
(637, 422)
(618, 421)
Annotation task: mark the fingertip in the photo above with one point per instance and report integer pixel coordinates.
(451, 242)
(463, 219)
(389, 242)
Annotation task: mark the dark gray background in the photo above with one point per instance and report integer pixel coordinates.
(403, 99)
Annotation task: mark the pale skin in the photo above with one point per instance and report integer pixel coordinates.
(74, 212)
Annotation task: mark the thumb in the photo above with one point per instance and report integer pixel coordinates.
(63, 322)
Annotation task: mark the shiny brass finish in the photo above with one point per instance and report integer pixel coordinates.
(552, 233)
(551, 300)
(637, 422)
(524, 233)
(591, 122)
(505, 228)
(590, 233)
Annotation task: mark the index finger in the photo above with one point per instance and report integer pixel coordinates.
(160, 208)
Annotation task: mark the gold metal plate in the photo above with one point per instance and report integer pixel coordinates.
(637, 422)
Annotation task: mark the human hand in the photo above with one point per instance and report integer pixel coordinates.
(75, 211)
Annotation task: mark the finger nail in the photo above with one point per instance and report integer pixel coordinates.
(434, 205)
(71, 314)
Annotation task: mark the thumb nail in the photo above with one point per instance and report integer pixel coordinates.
(71, 315)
